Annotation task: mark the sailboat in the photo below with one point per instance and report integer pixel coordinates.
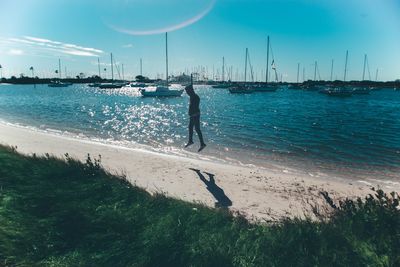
(58, 83)
(223, 84)
(243, 88)
(266, 87)
(363, 90)
(162, 90)
(111, 85)
(341, 91)
(96, 84)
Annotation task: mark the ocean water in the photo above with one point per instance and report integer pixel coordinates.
(296, 130)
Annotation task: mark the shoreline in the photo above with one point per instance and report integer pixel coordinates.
(257, 193)
(384, 175)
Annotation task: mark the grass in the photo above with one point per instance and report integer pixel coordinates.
(65, 213)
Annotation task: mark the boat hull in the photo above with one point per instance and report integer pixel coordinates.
(222, 86)
(241, 90)
(110, 86)
(94, 84)
(361, 91)
(58, 85)
(170, 93)
(339, 93)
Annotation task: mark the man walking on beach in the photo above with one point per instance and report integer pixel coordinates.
(194, 113)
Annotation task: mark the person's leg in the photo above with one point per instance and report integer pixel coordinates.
(198, 131)
(191, 125)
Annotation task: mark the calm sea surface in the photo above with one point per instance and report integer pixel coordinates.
(313, 132)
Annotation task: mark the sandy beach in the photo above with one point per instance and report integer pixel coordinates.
(257, 193)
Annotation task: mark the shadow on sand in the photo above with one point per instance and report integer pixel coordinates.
(222, 201)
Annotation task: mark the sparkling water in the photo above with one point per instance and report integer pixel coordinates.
(357, 136)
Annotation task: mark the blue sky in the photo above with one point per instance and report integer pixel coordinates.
(38, 32)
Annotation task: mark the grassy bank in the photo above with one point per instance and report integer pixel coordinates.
(64, 213)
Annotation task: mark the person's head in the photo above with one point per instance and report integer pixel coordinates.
(189, 89)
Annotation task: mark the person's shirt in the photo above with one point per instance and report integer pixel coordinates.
(194, 106)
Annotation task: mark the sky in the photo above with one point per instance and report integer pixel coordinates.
(38, 33)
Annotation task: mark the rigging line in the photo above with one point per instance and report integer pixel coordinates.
(369, 73)
(116, 66)
(119, 75)
(319, 75)
(251, 67)
(272, 51)
(273, 60)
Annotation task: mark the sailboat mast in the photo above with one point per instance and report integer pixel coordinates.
(376, 75)
(98, 64)
(365, 63)
(315, 71)
(112, 68)
(266, 73)
(123, 74)
(298, 72)
(141, 68)
(332, 71)
(245, 66)
(59, 68)
(166, 55)
(345, 66)
(223, 69)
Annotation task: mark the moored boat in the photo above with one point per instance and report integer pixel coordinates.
(58, 84)
(265, 87)
(339, 92)
(241, 90)
(138, 85)
(361, 91)
(94, 84)
(161, 91)
(110, 85)
(222, 86)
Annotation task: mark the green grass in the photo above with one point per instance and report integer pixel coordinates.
(65, 213)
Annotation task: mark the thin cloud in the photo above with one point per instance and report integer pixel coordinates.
(40, 40)
(15, 52)
(72, 46)
(79, 53)
(170, 28)
(103, 64)
(127, 46)
(54, 46)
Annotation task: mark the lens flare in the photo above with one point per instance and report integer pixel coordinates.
(169, 28)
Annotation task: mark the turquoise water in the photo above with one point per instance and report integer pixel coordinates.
(321, 134)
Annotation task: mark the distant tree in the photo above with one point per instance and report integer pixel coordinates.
(142, 79)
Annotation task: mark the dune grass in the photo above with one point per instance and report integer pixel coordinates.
(65, 213)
